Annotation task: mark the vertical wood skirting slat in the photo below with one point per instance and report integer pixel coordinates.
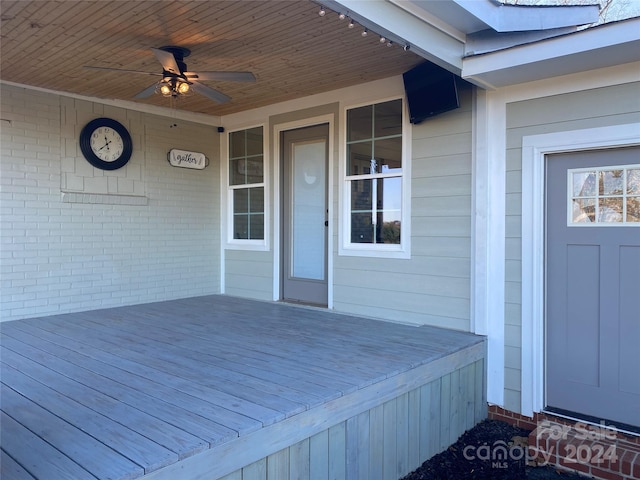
(481, 390)
(413, 431)
(363, 447)
(376, 425)
(469, 408)
(299, 461)
(319, 455)
(386, 442)
(337, 451)
(425, 421)
(445, 411)
(455, 402)
(435, 417)
(352, 434)
(278, 464)
(402, 435)
(255, 471)
(389, 452)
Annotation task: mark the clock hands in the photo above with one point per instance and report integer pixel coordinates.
(106, 144)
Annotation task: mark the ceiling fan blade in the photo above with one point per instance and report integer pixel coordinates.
(167, 60)
(208, 92)
(122, 70)
(222, 76)
(147, 92)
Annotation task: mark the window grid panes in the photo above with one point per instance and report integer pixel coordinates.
(374, 173)
(246, 183)
(604, 196)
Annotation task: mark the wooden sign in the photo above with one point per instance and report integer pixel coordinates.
(185, 159)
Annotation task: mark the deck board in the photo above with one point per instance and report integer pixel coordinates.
(117, 436)
(155, 384)
(36, 455)
(129, 392)
(201, 427)
(146, 422)
(9, 468)
(55, 431)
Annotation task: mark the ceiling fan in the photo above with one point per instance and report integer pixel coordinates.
(176, 80)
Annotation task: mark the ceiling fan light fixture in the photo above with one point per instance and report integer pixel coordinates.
(182, 87)
(172, 87)
(165, 89)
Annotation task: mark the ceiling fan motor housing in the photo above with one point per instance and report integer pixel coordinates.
(179, 53)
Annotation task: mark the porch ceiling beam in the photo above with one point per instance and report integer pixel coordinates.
(403, 27)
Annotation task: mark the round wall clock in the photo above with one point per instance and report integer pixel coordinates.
(106, 144)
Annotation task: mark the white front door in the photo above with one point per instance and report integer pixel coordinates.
(593, 285)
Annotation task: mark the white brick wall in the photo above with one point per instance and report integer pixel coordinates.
(76, 238)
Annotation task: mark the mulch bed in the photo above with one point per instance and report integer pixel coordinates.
(492, 450)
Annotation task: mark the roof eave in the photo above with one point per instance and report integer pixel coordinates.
(503, 17)
(599, 47)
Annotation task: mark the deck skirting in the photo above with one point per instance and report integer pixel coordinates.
(383, 431)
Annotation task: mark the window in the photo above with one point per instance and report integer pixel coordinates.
(374, 175)
(605, 196)
(246, 183)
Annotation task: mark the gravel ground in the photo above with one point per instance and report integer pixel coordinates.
(470, 458)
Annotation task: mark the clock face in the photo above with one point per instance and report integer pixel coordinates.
(106, 144)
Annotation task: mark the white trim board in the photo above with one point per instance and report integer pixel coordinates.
(488, 237)
(534, 150)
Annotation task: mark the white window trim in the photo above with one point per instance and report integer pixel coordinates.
(535, 148)
(227, 194)
(346, 248)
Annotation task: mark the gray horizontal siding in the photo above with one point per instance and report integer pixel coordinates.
(249, 274)
(432, 287)
(446, 312)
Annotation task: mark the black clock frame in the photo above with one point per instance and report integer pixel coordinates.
(85, 144)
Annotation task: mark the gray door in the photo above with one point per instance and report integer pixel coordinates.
(304, 215)
(593, 285)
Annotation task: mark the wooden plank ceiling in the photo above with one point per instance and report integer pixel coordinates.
(292, 51)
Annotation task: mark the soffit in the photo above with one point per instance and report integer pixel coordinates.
(292, 51)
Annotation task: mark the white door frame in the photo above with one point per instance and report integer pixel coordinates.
(534, 150)
(277, 130)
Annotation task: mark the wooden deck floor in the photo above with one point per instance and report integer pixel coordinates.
(154, 390)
